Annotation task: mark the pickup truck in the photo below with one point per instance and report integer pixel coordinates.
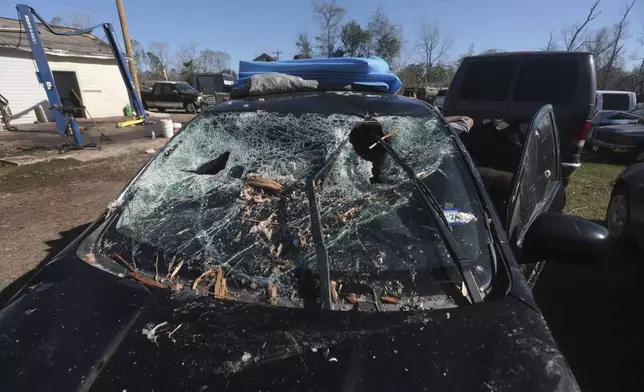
(172, 95)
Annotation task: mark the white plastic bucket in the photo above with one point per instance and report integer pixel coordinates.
(176, 127)
(166, 126)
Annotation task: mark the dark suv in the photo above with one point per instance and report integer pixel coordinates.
(514, 86)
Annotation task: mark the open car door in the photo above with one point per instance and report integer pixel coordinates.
(537, 183)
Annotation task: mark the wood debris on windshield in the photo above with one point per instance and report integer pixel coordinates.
(263, 183)
(272, 294)
(206, 274)
(387, 136)
(220, 290)
(344, 216)
(137, 275)
(389, 300)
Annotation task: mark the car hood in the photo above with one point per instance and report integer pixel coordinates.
(622, 128)
(78, 328)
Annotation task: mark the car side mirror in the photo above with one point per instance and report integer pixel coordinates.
(565, 239)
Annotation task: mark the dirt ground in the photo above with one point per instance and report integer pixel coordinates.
(37, 202)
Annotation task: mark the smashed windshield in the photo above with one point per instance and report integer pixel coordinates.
(229, 194)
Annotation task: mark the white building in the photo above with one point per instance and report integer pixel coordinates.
(82, 63)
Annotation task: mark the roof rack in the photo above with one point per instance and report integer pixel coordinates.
(371, 72)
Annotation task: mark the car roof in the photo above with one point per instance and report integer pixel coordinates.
(615, 92)
(360, 104)
(530, 53)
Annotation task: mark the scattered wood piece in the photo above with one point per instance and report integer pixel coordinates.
(275, 251)
(127, 264)
(176, 270)
(174, 330)
(387, 136)
(137, 275)
(171, 265)
(352, 298)
(220, 289)
(334, 292)
(90, 258)
(156, 268)
(344, 216)
(263, 227)
(272, 294)
(195, 285)
(388, 299)
(263, 183)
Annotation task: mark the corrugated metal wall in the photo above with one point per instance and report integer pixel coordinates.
(102, 88)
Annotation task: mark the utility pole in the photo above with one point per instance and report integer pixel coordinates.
(277, 53)
(128, 46)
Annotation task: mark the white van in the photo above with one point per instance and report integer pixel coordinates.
(623, 101)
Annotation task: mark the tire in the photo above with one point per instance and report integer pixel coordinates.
(618, 214)
(191, 108)
(638, 154)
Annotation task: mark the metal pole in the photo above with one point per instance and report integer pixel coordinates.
(128, 45)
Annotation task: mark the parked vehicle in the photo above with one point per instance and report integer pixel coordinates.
(625, 214)
(513, 86)
(607, 100)
(621, 133)
(211, 267)
(172, 95)
(617, 117)
(440, 98)
(216, 87)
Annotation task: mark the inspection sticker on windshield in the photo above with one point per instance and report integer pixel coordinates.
(456, 218)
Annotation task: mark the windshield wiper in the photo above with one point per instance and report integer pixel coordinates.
(324, 270)
(444, 229)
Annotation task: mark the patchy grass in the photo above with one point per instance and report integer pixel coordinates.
(589, 190)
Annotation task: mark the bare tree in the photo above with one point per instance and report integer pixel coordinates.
(329, 15)
(386, 37)
(575, 37)
(159, 52)
(81, 20)
(304, 45)
(551, 46)
(615, 51)
(598, 43)
(213, 60)
(432, 47)
(78, 20)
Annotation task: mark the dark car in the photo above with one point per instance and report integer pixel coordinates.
(305, 241)
(625, 214)
(172, 95)
(621, 133)
(513, 86)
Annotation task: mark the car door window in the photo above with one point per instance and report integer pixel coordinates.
(167, 90)
(538, 180)
(157, 89)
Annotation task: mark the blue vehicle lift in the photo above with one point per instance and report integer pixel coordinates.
(65, 122)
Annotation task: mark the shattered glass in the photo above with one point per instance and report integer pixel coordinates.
(539, 176)
(231, 190)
